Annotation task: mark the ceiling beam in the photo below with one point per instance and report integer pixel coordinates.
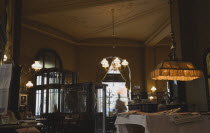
(56, 6)
(163, 31)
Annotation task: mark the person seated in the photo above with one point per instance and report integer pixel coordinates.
(162, 106)
(8, 118)
(120, 105)
(26, 114)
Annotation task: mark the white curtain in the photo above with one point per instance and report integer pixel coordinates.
(5, 78)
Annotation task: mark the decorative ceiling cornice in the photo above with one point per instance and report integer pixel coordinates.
(111, 42)
(57, 34)
(48, 30)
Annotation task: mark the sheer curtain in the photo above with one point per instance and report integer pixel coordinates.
(5, 79)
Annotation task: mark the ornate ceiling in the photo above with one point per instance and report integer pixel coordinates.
(89, 22)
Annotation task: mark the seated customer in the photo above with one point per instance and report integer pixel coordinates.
(120, 105)
(162, 106)
(26, 113)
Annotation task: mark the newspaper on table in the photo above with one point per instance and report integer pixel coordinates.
(5, 79)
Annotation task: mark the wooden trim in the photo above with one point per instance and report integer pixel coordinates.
(206, 75)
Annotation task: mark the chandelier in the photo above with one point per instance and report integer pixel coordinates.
(175, 69)
(115, 64)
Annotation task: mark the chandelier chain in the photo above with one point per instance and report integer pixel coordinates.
(172, 54)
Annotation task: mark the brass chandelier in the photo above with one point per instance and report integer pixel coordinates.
(174, 69)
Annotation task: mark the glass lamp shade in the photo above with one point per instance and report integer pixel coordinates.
(153, 89)
(105, 65)
(29, 84)
(117, 65)
(124, 63)
(117, 60)
(151, 98)
(5, 58)
(176, 70)
(36, 66)
(104, 61)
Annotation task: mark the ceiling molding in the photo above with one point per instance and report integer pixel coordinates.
(138, 15)
(57, 34)
(162, 32)
(58, 5)
(111, 42)
(48, 30)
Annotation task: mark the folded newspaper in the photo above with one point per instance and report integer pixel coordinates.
(180, 119)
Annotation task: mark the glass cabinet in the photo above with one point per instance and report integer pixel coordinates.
(88, 100)
(50, 84)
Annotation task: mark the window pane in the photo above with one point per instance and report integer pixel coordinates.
(99, 100)
(54, 77)
(61, 100)
(45, 101)
(49, 60)
(39, 80)
(38, 102)
(208, 63)
(82, 99)
(53, 100)
(117, 99)
(45, 78)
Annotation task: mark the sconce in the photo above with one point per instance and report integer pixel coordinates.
(5, 58)
(36, 66)
(153, 89)
(29, 84)
(151, 98)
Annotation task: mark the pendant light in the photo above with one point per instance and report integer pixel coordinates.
(175, 69)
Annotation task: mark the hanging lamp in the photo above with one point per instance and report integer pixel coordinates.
(175, 69)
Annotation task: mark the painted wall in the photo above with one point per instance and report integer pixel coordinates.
(86, 59)
(154, 56)
(32, 42)
(89, 59)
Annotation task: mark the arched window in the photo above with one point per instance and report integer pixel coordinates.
(49, 59)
